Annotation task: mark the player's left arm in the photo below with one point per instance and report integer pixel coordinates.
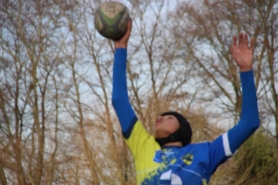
(242, 52)
(225, 145)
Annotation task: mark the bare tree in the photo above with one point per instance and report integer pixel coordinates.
(208, 35)
(57, 122)
(29, 62)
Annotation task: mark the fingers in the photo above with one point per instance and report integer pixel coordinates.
(129, 24)
(252, 44)
(232, 50)
(235, 41)
(128, 31)
(242, 42)
(122, 43)
(234, 45)
(245, 41)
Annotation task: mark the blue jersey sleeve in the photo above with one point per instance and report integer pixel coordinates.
(249, 119)
(225, 145)
(120, 99)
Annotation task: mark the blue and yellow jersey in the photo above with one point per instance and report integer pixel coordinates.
(193, 164)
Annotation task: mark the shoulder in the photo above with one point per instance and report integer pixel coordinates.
(198, 147)
(201, 144)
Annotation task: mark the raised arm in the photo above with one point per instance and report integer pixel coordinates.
(120, 98)
(242, 52)
(225, 145)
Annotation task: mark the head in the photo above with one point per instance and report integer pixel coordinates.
(172, 127)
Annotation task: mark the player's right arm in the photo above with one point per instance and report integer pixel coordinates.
(120, 98)
(133, 131)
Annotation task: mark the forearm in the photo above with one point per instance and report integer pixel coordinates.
(249, 119)
(120, 99)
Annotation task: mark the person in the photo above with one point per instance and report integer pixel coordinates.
(169, 157)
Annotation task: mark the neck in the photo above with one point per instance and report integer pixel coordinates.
(177, 143)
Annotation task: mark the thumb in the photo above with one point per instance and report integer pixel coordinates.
(128, 31)
(122, 43)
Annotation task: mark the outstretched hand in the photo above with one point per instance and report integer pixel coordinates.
(122, 43)
(242, 52)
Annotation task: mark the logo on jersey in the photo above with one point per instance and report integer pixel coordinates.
(188, 159)
(164, 156)
(169, 176)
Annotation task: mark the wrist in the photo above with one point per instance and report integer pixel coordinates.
(120, 45)
(246, 72)
(245, 69)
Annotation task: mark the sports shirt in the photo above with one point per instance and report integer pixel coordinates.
(189, 165)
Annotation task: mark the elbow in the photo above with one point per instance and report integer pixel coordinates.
(249, 125)
(256, 124)
(115, 96)
(115, 100)
(257, 121)
(118, 100)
